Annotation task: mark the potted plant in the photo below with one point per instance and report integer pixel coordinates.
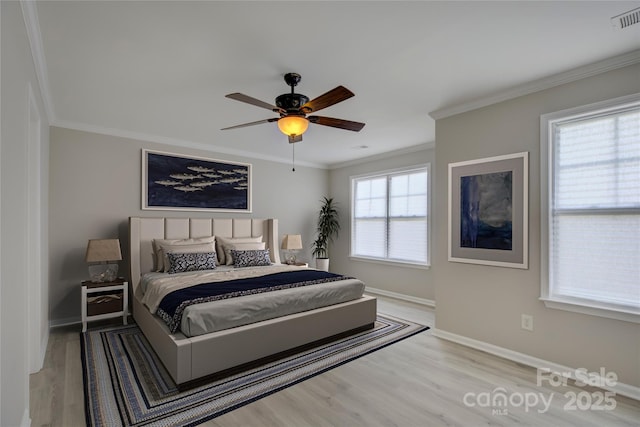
(328, 228)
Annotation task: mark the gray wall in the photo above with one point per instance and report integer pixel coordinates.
(23, 190)
(95, 185)
(415, 282)
(484, 302)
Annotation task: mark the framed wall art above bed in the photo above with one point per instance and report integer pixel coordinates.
(178, 182)
(488, 211)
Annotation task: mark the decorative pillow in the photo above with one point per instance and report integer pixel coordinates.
(250, 258)
(157, 248)
(184, 261)
(240, 247)
(221, 241)
(184, 248)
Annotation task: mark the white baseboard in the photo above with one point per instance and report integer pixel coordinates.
(65, 322)
(403, 297)
(26, 419)
(39, 363)
(525, 359)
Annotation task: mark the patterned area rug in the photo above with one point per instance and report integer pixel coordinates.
(126, 384)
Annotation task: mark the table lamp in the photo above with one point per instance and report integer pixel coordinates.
(291, 244)
(101, 257)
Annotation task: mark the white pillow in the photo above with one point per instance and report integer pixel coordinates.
(249, 246)
(185, 249)
(221, 241)
(157, 248)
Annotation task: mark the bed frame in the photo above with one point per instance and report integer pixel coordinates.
(188, 359)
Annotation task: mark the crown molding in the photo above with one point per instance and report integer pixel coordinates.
(385, 155)
(177, 142)
(579, 73)
(32, 25)
(224, 150)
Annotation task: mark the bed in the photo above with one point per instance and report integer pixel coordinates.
(227, 346)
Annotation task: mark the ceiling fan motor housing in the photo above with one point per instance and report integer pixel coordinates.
(291, 102)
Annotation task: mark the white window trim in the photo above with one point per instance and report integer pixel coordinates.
(383, 261)
(390, 262)
(576, 305)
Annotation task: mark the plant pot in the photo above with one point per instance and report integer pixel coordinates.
(322, 264)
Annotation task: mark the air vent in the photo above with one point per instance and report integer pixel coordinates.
(627, 19)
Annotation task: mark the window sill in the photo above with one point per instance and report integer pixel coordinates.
(387, 263)
(593, 309)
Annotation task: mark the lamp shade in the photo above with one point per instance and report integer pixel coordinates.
(101, 250)
(292, 242)
(293, 125)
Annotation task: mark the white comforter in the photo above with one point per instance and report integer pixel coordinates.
(156, 286)
(213, 316)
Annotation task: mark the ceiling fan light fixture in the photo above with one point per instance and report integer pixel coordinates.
(293, 125)
(294, 107)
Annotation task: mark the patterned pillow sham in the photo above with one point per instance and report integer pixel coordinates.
(250, 246)
(250, 258)
(222, 241)
(185, 248)
(180, 262)
(158, 253)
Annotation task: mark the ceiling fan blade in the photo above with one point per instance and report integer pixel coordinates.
(275, 119)
(325, 100)
(336, 123)
(253, 101)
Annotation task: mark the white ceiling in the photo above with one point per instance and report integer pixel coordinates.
(159, 70)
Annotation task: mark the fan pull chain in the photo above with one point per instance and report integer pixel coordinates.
(293, 160)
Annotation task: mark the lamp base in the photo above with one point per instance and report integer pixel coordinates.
(290, 258)
(100, 273)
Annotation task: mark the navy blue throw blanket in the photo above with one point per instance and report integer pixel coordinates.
(173, 304)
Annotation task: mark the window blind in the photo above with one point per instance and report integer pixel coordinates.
(390, 217)
(594, 234)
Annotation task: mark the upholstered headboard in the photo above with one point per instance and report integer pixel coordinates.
(142, 231)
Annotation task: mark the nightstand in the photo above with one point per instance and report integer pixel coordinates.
(104, 301)
(299, 264)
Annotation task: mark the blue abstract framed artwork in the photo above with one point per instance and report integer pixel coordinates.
(177, 182)
(488, 211)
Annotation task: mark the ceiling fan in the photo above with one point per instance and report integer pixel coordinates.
(294, 107)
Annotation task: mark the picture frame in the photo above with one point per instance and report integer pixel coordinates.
(489, 211)
(180, 182)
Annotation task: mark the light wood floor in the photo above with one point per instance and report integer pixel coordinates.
(421, 381)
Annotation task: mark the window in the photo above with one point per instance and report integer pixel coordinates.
(591, 209)
(389, 216)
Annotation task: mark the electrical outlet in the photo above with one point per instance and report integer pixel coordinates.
(527, 322)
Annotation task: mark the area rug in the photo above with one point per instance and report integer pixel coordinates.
(126, 384)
